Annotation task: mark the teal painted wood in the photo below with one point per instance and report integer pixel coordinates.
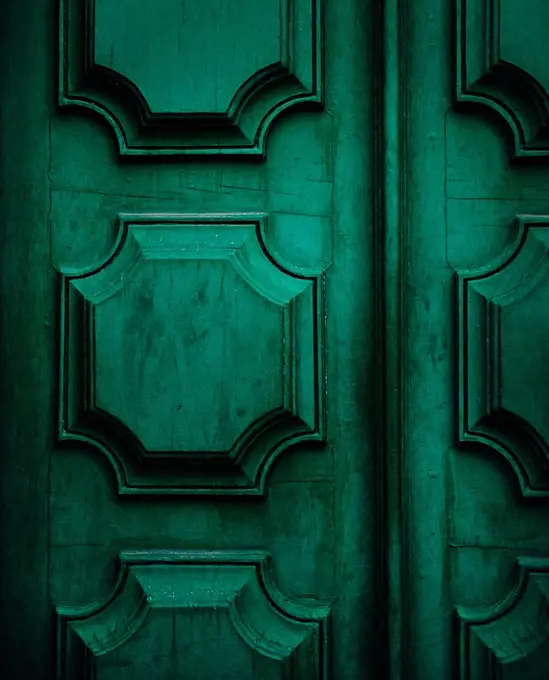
(392, 311)
(175, 598)
(496, 303)
(210, 100)
(505, 639)
(278, 399)
(27, 297)
(201, 382)
(476, 308)
(500, 65)
(177, 301)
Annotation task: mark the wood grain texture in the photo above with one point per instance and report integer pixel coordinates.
(189, 357)
(228, 70)
(503, 640)
(278, 303)
(206, 381)
(164, 600)
(496, 244)
(498, 307)
(27, 336)
(500, 65)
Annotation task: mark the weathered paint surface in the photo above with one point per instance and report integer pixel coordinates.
(273, 339)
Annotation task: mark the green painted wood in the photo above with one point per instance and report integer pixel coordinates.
(226, 595)
(474, 448)
(500, 65)
(28, 392)
(217, 95)
(166, 316)
(188, 462)
(273, 340)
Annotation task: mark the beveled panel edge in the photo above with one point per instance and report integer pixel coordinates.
(119, 102)
(243, 474)
(511, 437)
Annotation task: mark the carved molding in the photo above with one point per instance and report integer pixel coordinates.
(294, 79)
(151, 460)
(508, 631)
(485, 298)
(487, 75)
(295, 634)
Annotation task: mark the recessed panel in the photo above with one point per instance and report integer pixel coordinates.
(503, 355)
(190, 358)
(502, 63)
(196, 615)
(193, 45)
(178, 78)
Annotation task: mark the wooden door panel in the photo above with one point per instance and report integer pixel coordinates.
(500, 65)
(501, 339)
(228, 70)
(275, 344)
(190, 474)
(189, 358)
(474, 450)
(170, 606)
(499, 305)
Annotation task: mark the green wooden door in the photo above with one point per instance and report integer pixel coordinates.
(273, 340)
(188, 465)
(473, 449)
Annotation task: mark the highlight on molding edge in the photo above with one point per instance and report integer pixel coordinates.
(485, 298)
(290, 634)
(484, 76)
(508, 631)
(291, 304)
(294, 80)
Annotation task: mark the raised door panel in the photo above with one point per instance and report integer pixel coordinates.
(189, 357)
(500, 467)
(491, 264)
(169, 607)
(473, 505)
(191, 78)
(509, 640)
(500, 64)
(503, 324)
(209, 396)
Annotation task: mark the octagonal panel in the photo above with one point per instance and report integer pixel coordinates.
(502, 318)
(177, 614)
(190, 358)
(176, 358)
(175, 77)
